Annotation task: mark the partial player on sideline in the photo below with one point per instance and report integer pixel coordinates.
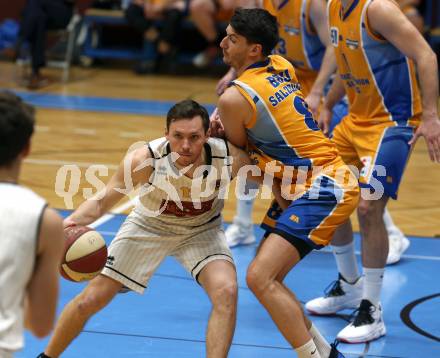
(31, 237)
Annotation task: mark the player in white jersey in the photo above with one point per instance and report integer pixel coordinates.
(178, 214)
(31, 237)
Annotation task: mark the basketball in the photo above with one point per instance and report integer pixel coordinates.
(85, 254)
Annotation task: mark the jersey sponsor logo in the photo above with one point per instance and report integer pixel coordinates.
(283, 93)
(334, 36)
(186, 192)
(294, 218)
(110, 260)
(188, 208)
(279, 78)
(352, 44)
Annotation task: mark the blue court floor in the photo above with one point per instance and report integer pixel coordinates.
(169, 320)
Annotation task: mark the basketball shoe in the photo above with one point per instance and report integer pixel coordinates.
(339, 295)
(367, 325)
(334, 353)
(240, 233)
(399, 243)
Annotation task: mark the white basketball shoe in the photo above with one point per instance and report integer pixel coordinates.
(367, 325)
(240, 233)
(338, 296)
(398, 243)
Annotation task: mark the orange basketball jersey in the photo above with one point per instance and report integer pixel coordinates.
(282, 128)
(379, 80)
(268, 5)
(298, 40)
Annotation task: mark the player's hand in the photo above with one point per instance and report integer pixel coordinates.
(67, 222)
(313, 101)
(216, 125)
(224, 81)
(325, 117)
(430, 129)
(278, 194)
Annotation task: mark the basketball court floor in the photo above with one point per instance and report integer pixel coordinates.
(169, 320)
(96, 117)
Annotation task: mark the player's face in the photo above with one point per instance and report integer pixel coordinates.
(235, 48)
(187, 137)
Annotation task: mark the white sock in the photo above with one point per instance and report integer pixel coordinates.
(346, 262)
(320, 342)
(389, 224)
(308, 350)
(373, 278)
(244, 207)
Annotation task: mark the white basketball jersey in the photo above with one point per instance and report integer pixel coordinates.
(172, 200)
(20, 215)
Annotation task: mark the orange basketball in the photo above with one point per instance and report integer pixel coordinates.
(85, 254)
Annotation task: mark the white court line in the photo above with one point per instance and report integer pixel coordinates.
(63, 162)
(85, 131)
(107, 217)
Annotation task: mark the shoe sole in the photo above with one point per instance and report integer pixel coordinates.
(330, 313)
(321, 314)
(241, 244)
(366, 340)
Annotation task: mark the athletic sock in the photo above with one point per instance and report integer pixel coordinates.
(346, 262)
(245, 206)
(320, 342)
(308, 350)
(373, 278)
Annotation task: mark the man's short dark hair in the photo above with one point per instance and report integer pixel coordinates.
(187, 109)
(258, 26)
(16, 126)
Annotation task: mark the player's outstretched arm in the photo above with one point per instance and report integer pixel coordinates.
(318, 16)
(135, 169)
(387, 21)
(42, 291)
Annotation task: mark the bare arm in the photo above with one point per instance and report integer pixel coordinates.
(398, 30)
(403, 3)
(235, 111)
(128, 172)
(334, 95)
(42, 291)
(240, 158)
(318, 16)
